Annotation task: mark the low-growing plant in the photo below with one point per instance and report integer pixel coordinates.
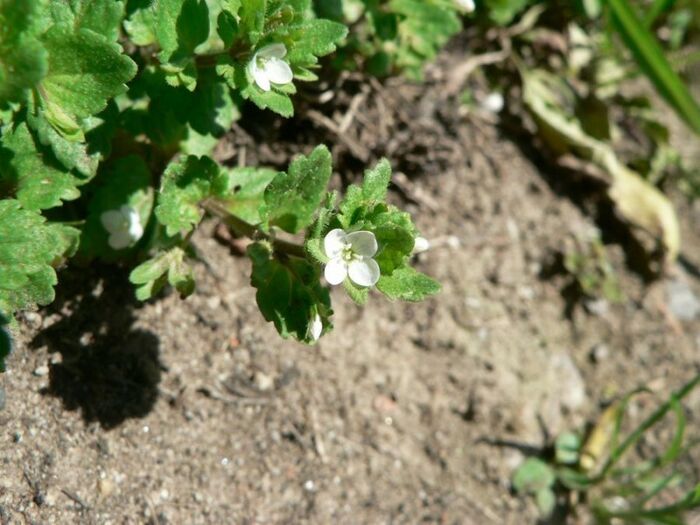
(594, 473)
(109, 113)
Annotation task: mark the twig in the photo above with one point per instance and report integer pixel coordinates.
(355, 147)
(77, 499)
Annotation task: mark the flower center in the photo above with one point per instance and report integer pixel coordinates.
(347, 254)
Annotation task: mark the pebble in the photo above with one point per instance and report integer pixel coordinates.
(263, 381)
(105, 487)
(599, 307)
(599, 353)
(41, 371)
(309, 485)
(682, 302)
(573, 393)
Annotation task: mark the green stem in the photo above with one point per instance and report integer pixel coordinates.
(243, 228)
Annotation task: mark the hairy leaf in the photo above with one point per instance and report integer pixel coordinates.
(407, 284)
(32, 174)
(168, 267)
(289, 292)
(245, 192)
(185, 185)
(292, 198)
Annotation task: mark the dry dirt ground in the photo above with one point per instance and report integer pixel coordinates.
(195, 411)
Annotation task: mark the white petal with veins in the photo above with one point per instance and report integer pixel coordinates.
(363, 243)
(334, 242)
(335, 271)
(364, 272)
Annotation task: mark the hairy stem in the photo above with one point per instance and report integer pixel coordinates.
(243, 228)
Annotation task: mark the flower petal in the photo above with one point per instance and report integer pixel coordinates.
(260, 77)
(119, 240)
(363, 243)
(316, 327)
(112, 220)
(334, 242)
(364, 272)
(335, 271)
(273, 50)
(278, 71)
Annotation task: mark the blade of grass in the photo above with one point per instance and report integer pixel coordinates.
(651, 59)
(654, 418)
(655, 9)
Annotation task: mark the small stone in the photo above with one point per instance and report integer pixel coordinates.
(105, 487)
(309, 485)
(197, 497)
(599, 307)
(41, 371)
(682, 302)
(599, 353)
(33, 319)
(573, 396)
(263, 381)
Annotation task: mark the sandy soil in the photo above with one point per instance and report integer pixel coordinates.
(196, 411)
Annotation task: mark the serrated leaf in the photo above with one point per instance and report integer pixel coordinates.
(358, 294)
(5, 341)
(126, 182)
(273, 100)
(253, 18)
(314, 38)
(71, 154)
(292, 198)
(289, 293)
(168, 267)
(141, 22)
(407, 284)
(101, 16)
(245, 192)
(185, 184)
(28, 247)
(85, 72)
(361, 200)
(181, 25)
(22, 57)
(532, 476)
(31, 174)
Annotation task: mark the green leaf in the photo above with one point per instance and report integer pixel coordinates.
(168, 267)
(407, 284)
(289, 293)
(141, 23)
(71, 154)
(650, 57)
(245, 192)
(5, 341)
(358, 294)
(22, 57)
(31, 173)
(314, 38)
(360, 200)
(502, 12)
(546, 501)
(567, 448)
(101, 16)
(395, 235)
(126, 182)
(533, 476)
(85, 72)
(181, 25)
(280, 103)
(185, 184)
(253, 19)
(292, 198)
(28, 247)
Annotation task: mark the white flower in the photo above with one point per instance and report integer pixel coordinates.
(351, 255)
(124, 226)
(466, 5)
(267, 67)
(316, 327)
(493, 103)
(420, 245)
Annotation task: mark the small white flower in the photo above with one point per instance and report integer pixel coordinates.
(493, 103)
(351, 255)
(124, 226)
(316, 327)
(267, 67)
(420, 245)
(466, 5)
